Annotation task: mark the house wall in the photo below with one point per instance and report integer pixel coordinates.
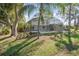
(45, 26)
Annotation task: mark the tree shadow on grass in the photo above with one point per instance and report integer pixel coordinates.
(13, 40)
(14, 49)
(5, 37)
(30, 49)
(62, 44)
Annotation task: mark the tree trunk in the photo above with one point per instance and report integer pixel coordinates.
(15, 24)
(69, 32)
(75, 23)
(14, 30)
(40, 18)
(38, 27)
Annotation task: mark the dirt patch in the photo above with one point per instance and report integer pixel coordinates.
(45, 37)
(64, 52)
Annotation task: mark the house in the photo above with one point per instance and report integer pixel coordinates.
(47, 25)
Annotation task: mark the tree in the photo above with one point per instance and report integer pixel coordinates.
(14, 27)
(69, 22)
(40, 17)
(69, 17)
(44, 11)
(11, 14)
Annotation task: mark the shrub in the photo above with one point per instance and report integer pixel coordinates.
(21, 27)
(22, 35)
(5, 31)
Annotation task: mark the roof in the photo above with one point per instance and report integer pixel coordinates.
(50, 20)
(55, 21)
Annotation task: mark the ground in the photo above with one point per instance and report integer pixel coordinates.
(44, 46)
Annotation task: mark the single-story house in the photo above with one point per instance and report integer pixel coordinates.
(47, 25)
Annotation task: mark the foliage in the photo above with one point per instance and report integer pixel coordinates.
(21, 27)
(5, 31)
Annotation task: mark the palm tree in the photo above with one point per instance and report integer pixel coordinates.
(69, 22)
(43, 9)
(62, 11)
(40, 17)
(76, 22)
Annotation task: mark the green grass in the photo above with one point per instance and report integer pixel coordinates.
(28, 47)
(76, 36)
(34, 47)
(46, 48)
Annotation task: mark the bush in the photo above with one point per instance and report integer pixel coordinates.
(21, 27)
(5, 31)
(22, 35)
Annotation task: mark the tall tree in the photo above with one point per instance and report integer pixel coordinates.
(44, 11)
(40, 17)
(11, 13)
(14, 27)
(69, 22)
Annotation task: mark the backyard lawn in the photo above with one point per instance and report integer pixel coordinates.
(44, 46)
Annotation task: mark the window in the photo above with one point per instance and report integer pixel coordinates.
(43, 27)
(33, 28)
(51, 27)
